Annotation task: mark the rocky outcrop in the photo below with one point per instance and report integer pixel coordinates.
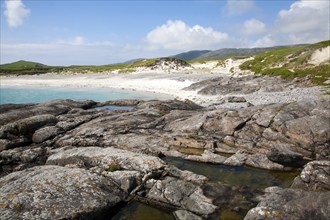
(241, 85)
(307, 198)
(271, 136)
(104, 177)
(54, 192)
(121, 149)
(180, 194)
(315, 176)
(293, 204)
(140, 174)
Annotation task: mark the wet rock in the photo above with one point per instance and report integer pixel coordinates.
(315, 176)
(53, 192)
(185, 215)
(293, 204)
(285, 157)
(181, 194)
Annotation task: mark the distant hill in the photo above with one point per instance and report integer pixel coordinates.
(26, 67)
(228, 52)
(22, 64)
(191, 55)
(133, 61)
(221, 53)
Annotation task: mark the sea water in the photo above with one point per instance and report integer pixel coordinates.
(19, 95)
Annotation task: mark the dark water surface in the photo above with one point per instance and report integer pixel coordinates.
(225, 177)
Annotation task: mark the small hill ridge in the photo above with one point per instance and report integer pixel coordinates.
(311, 61)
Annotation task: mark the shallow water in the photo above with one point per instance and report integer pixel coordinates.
(225, 178)
(139, 211)
(19, 95)
(236, 176)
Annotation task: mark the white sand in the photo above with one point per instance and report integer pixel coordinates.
(320, 56)
(163, 83)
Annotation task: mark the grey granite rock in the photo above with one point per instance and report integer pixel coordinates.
(180, 194)
(293, 204)
(54, 192)
(314, 176)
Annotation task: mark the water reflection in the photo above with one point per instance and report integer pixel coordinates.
(233, 189)
(236, 176)
(139, 211)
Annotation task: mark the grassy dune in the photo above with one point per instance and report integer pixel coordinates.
(291, 62)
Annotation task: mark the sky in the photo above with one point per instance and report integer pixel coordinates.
(93, 32)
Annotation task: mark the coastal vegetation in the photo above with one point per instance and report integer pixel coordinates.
(289, 62)
(292, 62)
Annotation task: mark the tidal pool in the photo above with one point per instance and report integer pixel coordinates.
(235, 187)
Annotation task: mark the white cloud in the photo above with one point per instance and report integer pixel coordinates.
(253, 27)
(16, 12)
(238, 7)
(176, 35)
(265, 41)
(305, 21)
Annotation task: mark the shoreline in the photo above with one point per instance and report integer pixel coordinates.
(167, 85)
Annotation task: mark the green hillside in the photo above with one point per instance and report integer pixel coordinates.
(291, 62)
(26, 67)
(191, 55)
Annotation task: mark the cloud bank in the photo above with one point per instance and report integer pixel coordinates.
(253, 27)
(305, 21)
(15, 12)
(177, 35)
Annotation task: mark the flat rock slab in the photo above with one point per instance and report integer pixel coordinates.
(54, 192)
(107, 158)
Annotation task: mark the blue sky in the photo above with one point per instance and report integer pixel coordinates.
(65, 32)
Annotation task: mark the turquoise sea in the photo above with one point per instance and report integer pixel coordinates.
(18, 95)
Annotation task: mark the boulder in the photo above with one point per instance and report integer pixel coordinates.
(293, 204)
(54, 192)
(181, 194)
(261, 161)
(285, 157)
(44, 134)
(314, 176)
(20, 132)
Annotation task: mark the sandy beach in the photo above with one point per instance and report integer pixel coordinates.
(171, 84)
